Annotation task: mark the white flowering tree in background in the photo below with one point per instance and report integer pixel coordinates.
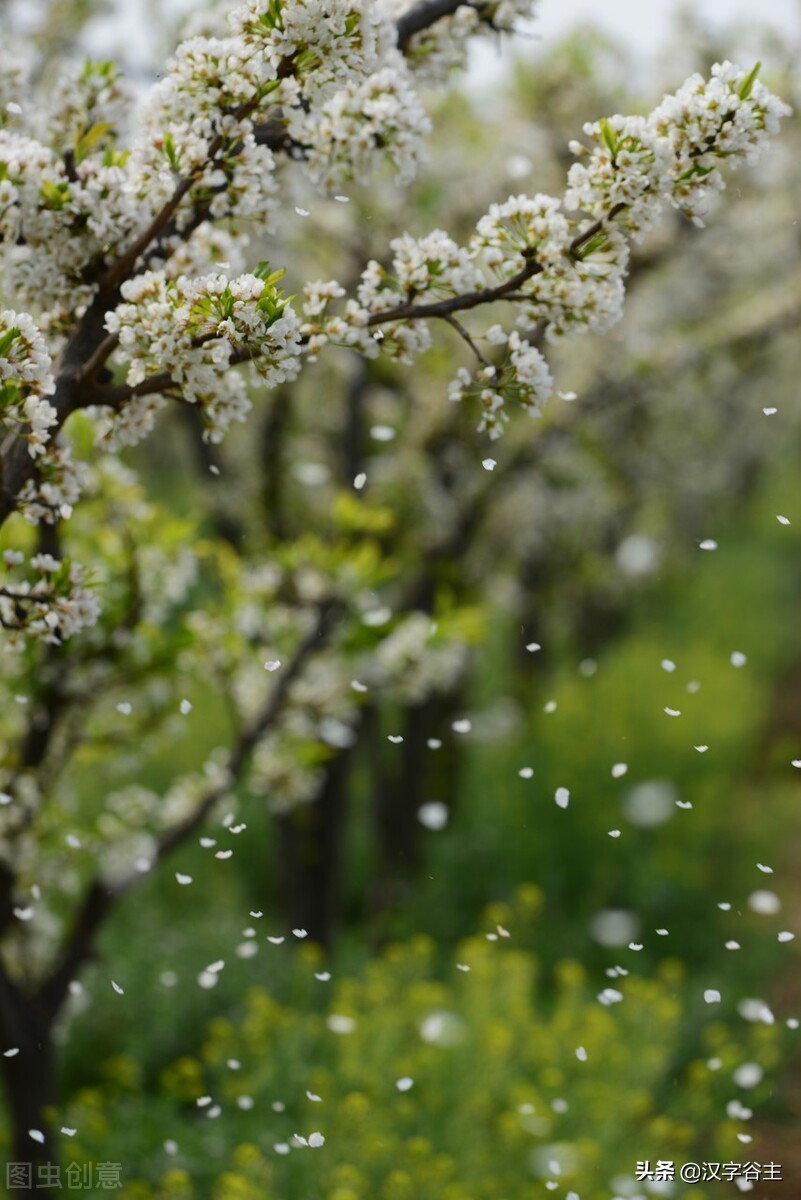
(134, 232)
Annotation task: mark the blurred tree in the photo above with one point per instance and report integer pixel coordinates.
(327, 603)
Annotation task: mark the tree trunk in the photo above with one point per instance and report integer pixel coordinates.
(397, 796)
(309, 844)
(29, 1078)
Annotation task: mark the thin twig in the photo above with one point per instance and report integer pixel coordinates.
(466, 336)
(445, 308)
(582, 238)
(99, 359)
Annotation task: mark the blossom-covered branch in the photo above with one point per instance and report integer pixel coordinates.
(102, 895)
(140, 283)
(562, 264)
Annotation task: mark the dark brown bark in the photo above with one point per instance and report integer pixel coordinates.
(211, 467)
(74, 389)
(398, 792)
(274, 429)
(422, 15)
(353, 440)
(310, 848)
(29, 1079)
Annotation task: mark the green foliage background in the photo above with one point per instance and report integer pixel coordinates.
(479, 1122)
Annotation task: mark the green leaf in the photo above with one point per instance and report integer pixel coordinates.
(91, 139)
(102, 68)
(270, 277)
(598, 242)
(170, 151)
(354, 516)
(8, 339)
(114, 158)
(307, 60)
(695, 171)
(747, 86)
(55, 195)
(9, 395)
(268, 88)
(609, 136)
(273, 18)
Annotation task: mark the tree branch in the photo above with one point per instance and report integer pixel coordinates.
(467, 337)
(102, 897)
(423, 15)
(115, 395)
(444, 308)
(582, 238)
(274, 135)
(119, 271)
(98, 359)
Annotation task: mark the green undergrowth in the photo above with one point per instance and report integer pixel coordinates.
(474, 1084)
(499, 1094)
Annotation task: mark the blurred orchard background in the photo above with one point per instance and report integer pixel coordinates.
(475, 986)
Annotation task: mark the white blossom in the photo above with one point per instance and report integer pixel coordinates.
(366, 120)
(25, 379)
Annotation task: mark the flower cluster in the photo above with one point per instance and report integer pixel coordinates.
(729, 116)
(49, 607)
(187, 333)
(575, 285)
(675, 153)
(58, 222)
(25, 379)
(283, 61)
(628, 173)
(68, 197)
(414, 660)
(522, 377)
(520, 229)
(562, 263)
(433, 265)
(87, 108)
(434, 53)
(379, 116)
(323, 45)
(196, 127)
(317, 297)
(285, 773)
(57, 486)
